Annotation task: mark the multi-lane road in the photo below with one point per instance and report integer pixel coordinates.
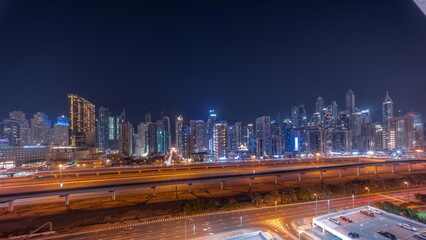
(46, 190)
(284, 221)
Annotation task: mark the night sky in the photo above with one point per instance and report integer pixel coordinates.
(242, 58)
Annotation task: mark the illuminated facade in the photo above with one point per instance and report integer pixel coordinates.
(60, 132)
(220, 135)
(387, 110)
(82, 122)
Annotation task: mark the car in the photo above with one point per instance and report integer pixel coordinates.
(406, 226)
(387, 234)
(375, 211)
(370, 214)
(333, 220)
(421, 235)
(346, 219)
(353, 235)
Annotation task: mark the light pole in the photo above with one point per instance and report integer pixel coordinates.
(241, 221)
(60, 170)
(299, 232)
(316, 204)
(185, 229)
(193, 229)
(353, 201)
(368, 195)
(408, 191)
(275, 207)
(328, 203)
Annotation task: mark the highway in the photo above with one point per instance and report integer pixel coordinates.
(166, 181)
(284, 221)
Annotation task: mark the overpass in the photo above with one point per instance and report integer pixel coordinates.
(10, 198)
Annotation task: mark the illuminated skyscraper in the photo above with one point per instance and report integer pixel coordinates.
(387, 110)
(10, 130)
(60, 131)
(24, 126)
(114, 135)
(350, 101)
(82, 121)
(200, 136)
(126, 139)
(40, 129)
(179, 142)
(319, 105)
(211, 121)
(103, 128)
(404, 131)
(220, 136)
(263, 135)
(298, 115)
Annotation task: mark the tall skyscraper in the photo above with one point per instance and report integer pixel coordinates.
(126, 139)
(404, 131)
(298, 115)
(60, 131)
(24, 126)
(387, 110)
(82, 121)
(162, 136)
(220, 135)
(114, 134)
(40, 129)
(263, 135)
(350, 101)
(211, 121)
(10, 130)
(319, 105)
(103, 128)
(200, 136)
(179, 128)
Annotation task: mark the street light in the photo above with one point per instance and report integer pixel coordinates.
(60, 170)
(316, 204)
(241, 220)
(353, 201)
(408, 192)
(185, 229)
(368, 195)
(328, 203)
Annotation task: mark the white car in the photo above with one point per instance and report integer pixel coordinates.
(406, 226)
(375, 211)
(421, 235)
(333, 220)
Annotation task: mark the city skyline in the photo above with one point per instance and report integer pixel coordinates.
(172, 60)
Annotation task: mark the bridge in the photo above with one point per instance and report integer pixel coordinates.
(10, 198)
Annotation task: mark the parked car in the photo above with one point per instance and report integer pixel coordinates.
(421, 235)
(333, 220)
(367, 213)
(375, 211)
(346, 219)
(406, 226)
(387, 234)
(353, 235)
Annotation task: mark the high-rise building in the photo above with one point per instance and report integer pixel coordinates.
(350, 101)
(142, 144)
(190, 138)
(179, 128)
(126, 139)
(319, 105)
(220, 135)
(404, 132)
(103, 128)
(238, 135)
(263, 135)
(40, 129)
(60, 131)
(387, 110)
(163, 129)
(200, 136)
(298, 115)
(211, 121)
(10, 130)
(82, 121)
(418, 130)
(114, 134)
(24, 126)
(151, 138)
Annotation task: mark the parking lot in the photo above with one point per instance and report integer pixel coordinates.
(365, 226)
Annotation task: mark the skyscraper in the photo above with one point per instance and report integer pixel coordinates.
(319, 105)
(220, 135)
(387, 110)
(24, 126)
(263, 135)
(114, 134)
(404, 131)
(179, 142)
(82, 121)
(40, 129)
(200, 136)
(211, 121)
(103, 128)
(126, 139)
(10, 130)
(298, 115)
(350, 101)
(60, 131)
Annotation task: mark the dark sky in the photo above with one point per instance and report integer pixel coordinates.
(242, 58)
